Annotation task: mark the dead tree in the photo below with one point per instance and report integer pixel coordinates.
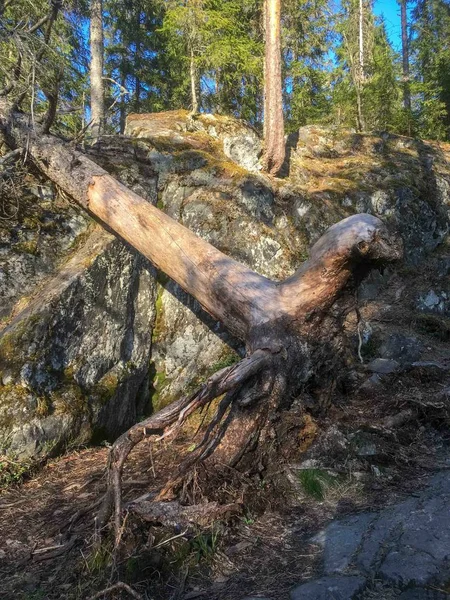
(283, 323)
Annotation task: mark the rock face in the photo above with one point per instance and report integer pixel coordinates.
(33, 242)
(404, 181)
(78, 309)
(405, 546)
(238, 141)
(93, 338)
(74, 363)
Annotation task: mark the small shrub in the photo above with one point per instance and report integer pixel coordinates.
(13, 473)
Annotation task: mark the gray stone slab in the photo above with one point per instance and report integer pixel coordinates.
(329, 588)
(440, 484)
(342, 539)
(408, 565)
(407, 544)
(383, 534)
(383, 366)
(423, 594)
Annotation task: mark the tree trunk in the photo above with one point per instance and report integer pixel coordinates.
(138, 60)
(281, 322)
(96, 69)
(361, 40)
(361, 70)
(360, 125)
(123, 105)
(193, 78)
(405, 58)
(274, 147)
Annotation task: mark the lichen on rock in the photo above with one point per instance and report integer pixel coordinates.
(94, 338)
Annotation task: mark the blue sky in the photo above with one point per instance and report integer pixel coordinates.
(390, 9)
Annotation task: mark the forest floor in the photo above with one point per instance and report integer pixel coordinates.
(372, 448)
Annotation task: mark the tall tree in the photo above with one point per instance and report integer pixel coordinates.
(274, 146)
(405, 57)
(431, 55)
(359, 69)
(307, 35)
(189, 19)
(96, 68)
(365, 90)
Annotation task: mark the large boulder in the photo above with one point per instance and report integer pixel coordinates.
(337, 172)
(238, 141)
(96, 339)
(74, 362)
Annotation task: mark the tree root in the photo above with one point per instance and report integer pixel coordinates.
(169, 420)
(174, 514)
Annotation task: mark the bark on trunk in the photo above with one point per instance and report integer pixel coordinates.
(405, 58)
(123, 106)
(274, 147)
(193, 78)
(361, 40)
(360, 125)
(280, 322)
(96, 68)
(361, 69)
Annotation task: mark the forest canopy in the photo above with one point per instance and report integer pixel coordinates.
(339, 67)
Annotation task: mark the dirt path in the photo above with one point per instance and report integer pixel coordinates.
(356, 465)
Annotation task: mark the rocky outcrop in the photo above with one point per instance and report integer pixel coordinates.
(238, 141)
(402, 180)
(41, 230)
(74, 362)
(102, 339)
(400, 552)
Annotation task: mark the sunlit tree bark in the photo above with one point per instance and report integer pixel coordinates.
(96, 68)
(274, 145)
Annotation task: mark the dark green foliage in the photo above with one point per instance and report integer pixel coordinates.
(377, 83)
(307, 38)
(153, 47)
(14, 472)
(431, 68)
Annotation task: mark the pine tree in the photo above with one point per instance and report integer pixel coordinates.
(217, 43)
(405, 57)
(274, 147)
(188, 20)
(43, 62)
(431, 56)
(366, 86)
(96, 68)
(307, 37)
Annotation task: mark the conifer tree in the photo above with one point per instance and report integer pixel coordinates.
(405, 57)
(189, 19)
(274, 147)
(365, 91)
(307, 34)
(96, 68)
(431, 54)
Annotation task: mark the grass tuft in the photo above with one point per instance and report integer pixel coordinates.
(315, 482)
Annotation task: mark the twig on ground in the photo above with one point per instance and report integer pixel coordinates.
(117, 586)
(54, 551)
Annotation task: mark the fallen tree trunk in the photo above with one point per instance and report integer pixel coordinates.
(281, 323)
